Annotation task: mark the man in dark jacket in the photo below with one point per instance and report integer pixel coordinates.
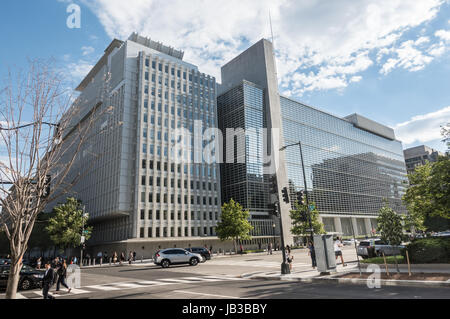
(48, 281)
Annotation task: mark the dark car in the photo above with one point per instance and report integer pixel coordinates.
(30, 278)
(204, 252)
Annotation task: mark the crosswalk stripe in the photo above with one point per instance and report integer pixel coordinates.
(103, 287)
(152, 283)
(176, 281)
(128, 285)
(223, 278)
(202, 279)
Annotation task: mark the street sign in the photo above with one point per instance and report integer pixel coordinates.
(83, 239)
(312, 207)
(86, 232)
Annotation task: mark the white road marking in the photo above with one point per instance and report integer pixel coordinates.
(103, 287)
(206, 295)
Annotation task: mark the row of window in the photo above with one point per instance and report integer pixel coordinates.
(186, 216)
(157, 198)
(195, 185)
(207, 81)
(195, 170)
(165, 232)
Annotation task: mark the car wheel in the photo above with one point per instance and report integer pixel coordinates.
(25, 285)
(193, 262)
(165, 263)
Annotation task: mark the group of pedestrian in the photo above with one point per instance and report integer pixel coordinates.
(55, 271)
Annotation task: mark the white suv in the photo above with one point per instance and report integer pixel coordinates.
(174, 256)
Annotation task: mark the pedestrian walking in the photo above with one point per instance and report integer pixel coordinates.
(289, 257)
(38, 263)
(338, 251)
(115, 257)
(122, 257)
(312, 253)
(134, 256)
(62, 275)
(47, 281)
(130, 258)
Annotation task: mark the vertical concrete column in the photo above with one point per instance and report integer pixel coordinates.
(338, 224)
(355, 226)
(368, 226)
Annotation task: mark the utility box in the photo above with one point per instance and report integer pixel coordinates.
(325, 257)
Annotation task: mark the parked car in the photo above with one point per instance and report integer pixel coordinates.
(350, 242)
(176, 256)
(5, 261)
(369, 248)
(30, 278)
(204, 252)
(443, 234)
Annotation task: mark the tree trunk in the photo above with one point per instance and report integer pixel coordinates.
(13, 279)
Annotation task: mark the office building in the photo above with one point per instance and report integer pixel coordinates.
(420, 155)
(352, 164)
(140, 197)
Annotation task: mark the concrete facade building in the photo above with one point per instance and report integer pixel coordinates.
(139, 195)
(143, 193)
(420, 155)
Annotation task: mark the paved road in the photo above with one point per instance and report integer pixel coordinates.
(218, 279)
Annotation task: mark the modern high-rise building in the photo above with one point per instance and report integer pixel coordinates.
(145, 193)
(420, 155)
(352, 164)
(139, 195)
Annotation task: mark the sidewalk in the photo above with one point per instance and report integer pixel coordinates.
(313, 276)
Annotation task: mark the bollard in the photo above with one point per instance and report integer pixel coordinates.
(89, 262)
(110, 260)
(93, 262)
(142, 259)
(101, 262)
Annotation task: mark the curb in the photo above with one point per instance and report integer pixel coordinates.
(353, 281)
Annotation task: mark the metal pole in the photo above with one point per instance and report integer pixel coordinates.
(284, 266)
(306, 191)
(82, 234)
(356, 248)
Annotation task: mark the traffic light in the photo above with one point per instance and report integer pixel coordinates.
(273, 185)
(274, 209)
(285, 195)
(48, 180)
(300, 197)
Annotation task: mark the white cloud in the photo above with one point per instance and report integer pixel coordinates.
(408, 56)
(443, 34)
(78, 70)
(423, 128)
(329, 42)
(87, 50)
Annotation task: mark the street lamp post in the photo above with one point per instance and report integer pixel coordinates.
(82, 237)
(305, 186)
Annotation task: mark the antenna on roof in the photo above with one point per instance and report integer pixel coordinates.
(271, 29)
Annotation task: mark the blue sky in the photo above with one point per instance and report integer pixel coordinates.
(388, 60)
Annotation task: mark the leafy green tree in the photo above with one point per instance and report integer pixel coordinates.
(67, 224)
(428, 196)
(300, 221)
(234, 224)
(445, 131)
(390, 225)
